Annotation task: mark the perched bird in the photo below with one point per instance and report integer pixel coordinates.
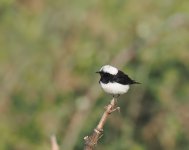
(114, 81)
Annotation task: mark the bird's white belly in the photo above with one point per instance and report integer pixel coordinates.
(114, 88)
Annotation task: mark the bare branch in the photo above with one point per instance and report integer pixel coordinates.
(91, 141)
(54, 145)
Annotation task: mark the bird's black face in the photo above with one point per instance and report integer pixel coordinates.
(105, 77)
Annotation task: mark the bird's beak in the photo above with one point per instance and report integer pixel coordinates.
(98, 72)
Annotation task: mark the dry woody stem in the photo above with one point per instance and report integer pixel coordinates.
(54, 145)
(91, 141)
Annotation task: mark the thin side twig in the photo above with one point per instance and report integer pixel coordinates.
(91, 141)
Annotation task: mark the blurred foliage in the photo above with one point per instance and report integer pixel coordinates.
(51, 49)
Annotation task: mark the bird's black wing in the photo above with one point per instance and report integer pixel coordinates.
(122, 78)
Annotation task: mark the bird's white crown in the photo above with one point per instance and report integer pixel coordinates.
(109, 69)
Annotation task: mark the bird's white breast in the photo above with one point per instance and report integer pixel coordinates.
(114, 88)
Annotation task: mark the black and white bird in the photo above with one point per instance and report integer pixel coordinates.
(114, 81)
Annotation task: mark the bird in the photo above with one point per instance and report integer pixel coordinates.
(114, 81)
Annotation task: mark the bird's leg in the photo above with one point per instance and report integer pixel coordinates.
(116, 98)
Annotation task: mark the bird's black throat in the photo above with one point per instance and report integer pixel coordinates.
(106, 77)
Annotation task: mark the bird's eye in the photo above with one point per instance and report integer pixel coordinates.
(106, 74)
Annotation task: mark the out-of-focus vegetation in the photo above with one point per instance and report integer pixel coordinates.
(50, 51)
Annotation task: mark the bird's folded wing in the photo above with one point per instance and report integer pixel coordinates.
(122, 78)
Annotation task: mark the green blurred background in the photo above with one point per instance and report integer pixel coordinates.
(50, 50)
